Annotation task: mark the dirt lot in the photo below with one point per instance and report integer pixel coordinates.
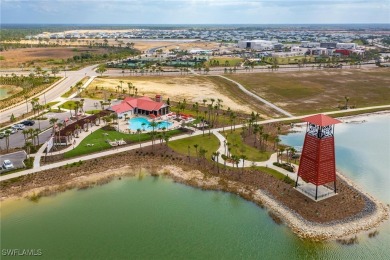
(318, 91)
(40, 56)
(141, 45)
(192, 88)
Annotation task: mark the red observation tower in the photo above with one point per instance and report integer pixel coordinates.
(317, 164)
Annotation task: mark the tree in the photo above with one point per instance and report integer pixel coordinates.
(53, 122)
(166, 139)
(101, 69)
(346, 102)
(12, 118)
(55, 70)
(139, 136)
(243, 157)
(28, 146)
(6, 135)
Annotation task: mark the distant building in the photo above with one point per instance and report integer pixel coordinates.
(307, 44)
(328, 45)
(346, 46)
(260, 45)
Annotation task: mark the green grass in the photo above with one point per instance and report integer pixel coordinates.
(50, 104)
(232, 61)
(99, 141)
(275, 173)
(73, 89)
(68, 105)
(210, 143)
(92, 112)
(238, 147)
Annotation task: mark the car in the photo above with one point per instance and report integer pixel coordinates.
(28, 122)
(18, 126)
(7, 164)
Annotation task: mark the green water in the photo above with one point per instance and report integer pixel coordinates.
(155, 218)
(3, 93)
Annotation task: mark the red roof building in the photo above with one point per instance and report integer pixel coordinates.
(142, 106)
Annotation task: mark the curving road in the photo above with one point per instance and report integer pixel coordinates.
(72, 77)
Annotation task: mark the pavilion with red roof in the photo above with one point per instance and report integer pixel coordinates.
(140, 106)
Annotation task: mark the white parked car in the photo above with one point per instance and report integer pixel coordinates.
(18, 127)
(7, 164)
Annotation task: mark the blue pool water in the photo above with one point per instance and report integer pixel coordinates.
(136, 123)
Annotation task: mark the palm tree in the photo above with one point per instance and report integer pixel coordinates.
(153, 124)
(25, 133)
(36, 133)
(276, 141)
(166, 139)
(139, 136)
(346, 102)
(7, 134)
(202, 154)
(217, 156)
(243, 157)
(28, 146)
(52, 122)
(224, 158)
(196, 149)
(59, 132)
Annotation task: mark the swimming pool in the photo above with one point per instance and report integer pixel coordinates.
(136, 123)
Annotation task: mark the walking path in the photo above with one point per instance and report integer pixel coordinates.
(221, 149)
(284, 112)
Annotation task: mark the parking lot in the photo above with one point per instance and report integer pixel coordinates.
(16, 158)
(17, 139)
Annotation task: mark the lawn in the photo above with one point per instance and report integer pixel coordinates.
(92, 112)
(319, 91)
(275, 173)
(226, 61)
(238, 147)
(99, 137)
(210, 143)
(50, 104)
(68, 105)
(73, 89)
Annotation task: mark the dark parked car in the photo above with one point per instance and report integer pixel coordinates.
(28, 122)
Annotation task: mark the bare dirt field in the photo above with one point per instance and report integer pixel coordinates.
(141, 45)
(192, 88)
(319, 91)
(40, 56)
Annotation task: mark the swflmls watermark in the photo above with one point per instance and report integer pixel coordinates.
(21, 252)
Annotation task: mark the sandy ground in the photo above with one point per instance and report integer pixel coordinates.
(141, 45)
(192, 88)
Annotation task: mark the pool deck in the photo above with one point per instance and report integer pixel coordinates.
(124, 125)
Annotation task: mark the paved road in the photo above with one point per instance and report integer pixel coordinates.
(136, 146)
(72, 77)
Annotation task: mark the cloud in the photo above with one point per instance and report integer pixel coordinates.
(195, 11)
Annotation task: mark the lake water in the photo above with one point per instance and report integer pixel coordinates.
(3, 93)
(157, 218)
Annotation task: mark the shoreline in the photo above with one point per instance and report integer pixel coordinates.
(304, 229)
(90, 175)
(352, 119)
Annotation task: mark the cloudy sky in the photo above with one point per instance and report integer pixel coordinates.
(195, 11)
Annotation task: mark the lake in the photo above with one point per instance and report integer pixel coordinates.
(157, 218)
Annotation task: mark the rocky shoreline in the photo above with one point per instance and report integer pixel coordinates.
(373, 214)
(372, 217)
